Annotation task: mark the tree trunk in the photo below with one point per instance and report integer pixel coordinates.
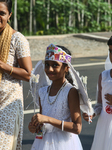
(79, 18)
(30, 16)
(15, 16)
(34, 18)
(109, 2)
(48, 14)
(70, 16)
(105, 15)
(44, 3)
(98, 14)
(86, 3)
(82, 19)
(57, 21)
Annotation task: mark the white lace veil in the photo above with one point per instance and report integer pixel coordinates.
(85, 103)
(42, 80)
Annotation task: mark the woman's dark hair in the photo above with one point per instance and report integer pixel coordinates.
(67, 76)
(109, 41)
(8, 4)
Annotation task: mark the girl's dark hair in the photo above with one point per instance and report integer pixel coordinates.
(109, 41)
(67, 76)
(8, 4)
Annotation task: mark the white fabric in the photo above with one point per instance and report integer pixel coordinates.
(85, 103)
(16, 130)
(54, 138)
(98, 108)
(103, 134)
(108, 64)
(43, 81)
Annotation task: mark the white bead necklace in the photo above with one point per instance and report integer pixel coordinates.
(56, 94)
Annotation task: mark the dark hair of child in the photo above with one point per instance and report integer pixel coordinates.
(109, 41)
(67, 76)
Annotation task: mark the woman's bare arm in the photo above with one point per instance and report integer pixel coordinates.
(22, 73)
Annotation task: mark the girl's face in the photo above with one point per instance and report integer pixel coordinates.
(4, 15)
(55, 70)
(110, 52)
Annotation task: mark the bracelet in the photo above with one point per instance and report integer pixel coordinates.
(62, 125)
(11, 71)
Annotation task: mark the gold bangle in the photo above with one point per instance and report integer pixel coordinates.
(11, 70)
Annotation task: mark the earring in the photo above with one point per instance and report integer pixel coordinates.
(9, 21)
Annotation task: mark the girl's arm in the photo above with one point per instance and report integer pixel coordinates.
(108, 97)
(99, 99)
(98, 106)
(74, 126)
(74, 104)
(22, 73)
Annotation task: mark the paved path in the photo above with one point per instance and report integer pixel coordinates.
(80, 45)
(102, 34)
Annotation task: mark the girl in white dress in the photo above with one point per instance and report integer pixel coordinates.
(103, 108)
(60, 116)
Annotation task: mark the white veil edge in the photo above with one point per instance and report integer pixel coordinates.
(85, 103)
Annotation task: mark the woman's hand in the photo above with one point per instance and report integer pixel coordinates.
(108, 97)
(86, 117)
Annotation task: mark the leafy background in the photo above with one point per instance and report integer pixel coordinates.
(63, 16)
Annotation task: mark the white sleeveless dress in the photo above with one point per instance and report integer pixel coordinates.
(54, 138)
(103, 134)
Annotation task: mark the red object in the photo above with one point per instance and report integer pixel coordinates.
(108, 109)
(39, 137)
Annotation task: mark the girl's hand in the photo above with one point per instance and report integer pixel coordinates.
(108, 97)
(32, 128)
(86, 117)
(39, 119)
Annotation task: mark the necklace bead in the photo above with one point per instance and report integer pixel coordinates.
(56, 94)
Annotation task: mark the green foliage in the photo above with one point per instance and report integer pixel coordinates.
(86, 16)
